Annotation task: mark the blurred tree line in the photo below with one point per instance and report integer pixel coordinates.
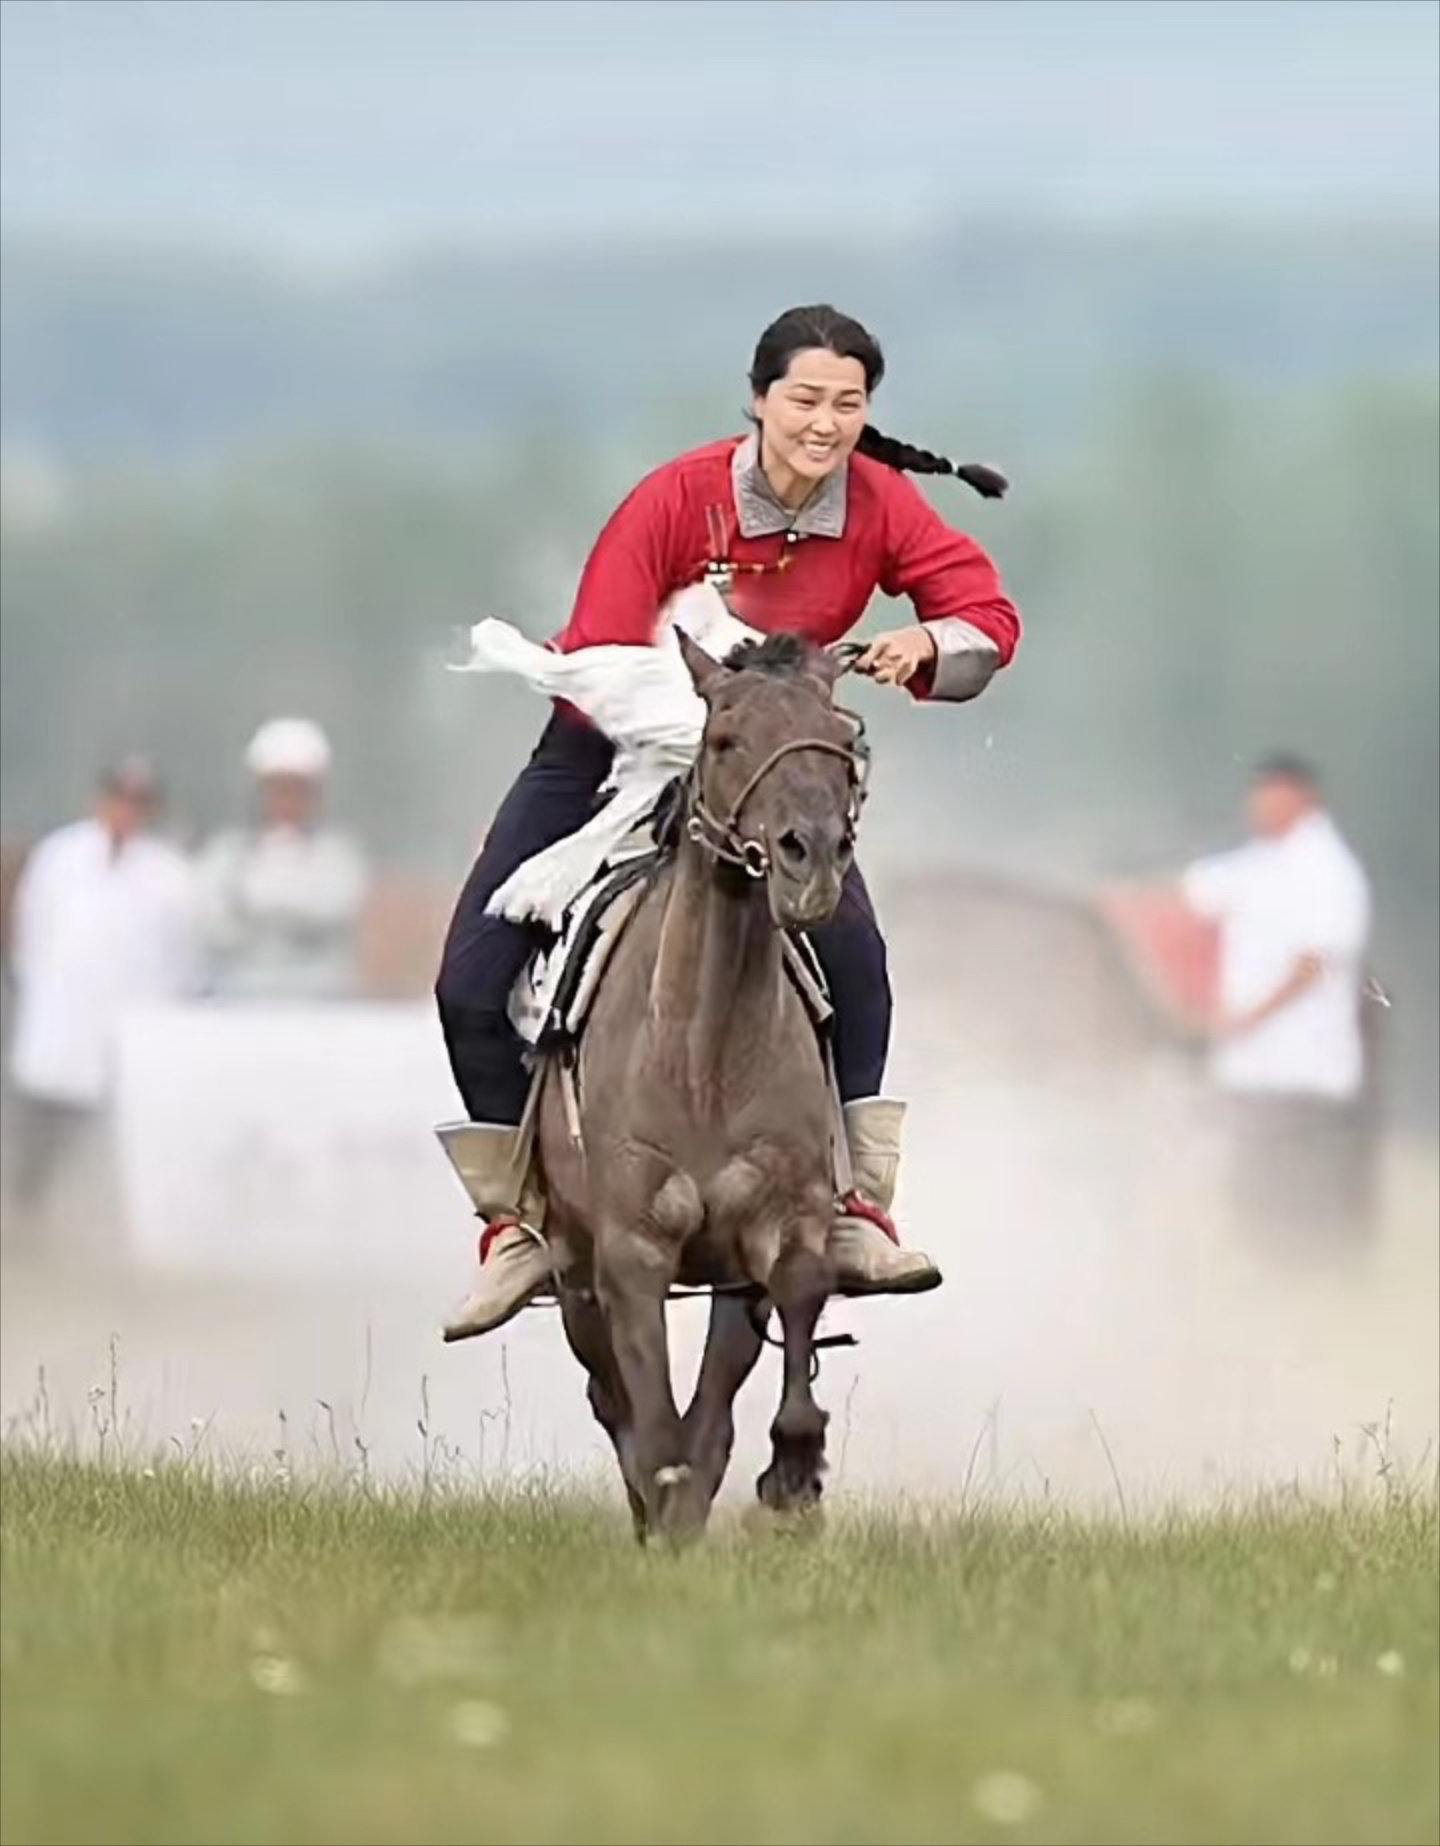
(125, 349)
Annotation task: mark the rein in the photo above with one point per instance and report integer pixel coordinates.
(722, 840)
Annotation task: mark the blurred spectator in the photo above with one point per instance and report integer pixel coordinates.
(1292, 908)
(103, 918)
(281, 900)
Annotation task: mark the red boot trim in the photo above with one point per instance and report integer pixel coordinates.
(853, 1206)
(492, 1231)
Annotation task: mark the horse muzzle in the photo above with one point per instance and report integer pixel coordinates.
(804, 881)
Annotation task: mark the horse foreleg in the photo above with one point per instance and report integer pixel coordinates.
(633, 1277)
(799, 1286)
(732, 1346)
(589, 1339)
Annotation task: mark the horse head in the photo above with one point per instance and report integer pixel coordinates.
(777, 786)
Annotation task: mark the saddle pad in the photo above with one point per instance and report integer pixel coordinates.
(549, 1002)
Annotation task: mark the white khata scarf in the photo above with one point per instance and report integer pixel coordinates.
(643, 700)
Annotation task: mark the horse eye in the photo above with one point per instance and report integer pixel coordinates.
(723, 744)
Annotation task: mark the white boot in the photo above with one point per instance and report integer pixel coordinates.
(515, 1261)
(864, 1244)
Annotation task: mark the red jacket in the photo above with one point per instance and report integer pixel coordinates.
(664, 534)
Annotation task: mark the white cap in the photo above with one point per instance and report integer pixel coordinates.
(289, 747)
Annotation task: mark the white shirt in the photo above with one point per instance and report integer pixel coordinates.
(280, 911)
(96, 931)
(1304, 894)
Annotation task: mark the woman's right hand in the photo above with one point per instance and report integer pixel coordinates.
(894, 658)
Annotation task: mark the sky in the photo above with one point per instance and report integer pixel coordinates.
(350, 127)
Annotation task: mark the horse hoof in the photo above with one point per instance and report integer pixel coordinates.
(793, 1498)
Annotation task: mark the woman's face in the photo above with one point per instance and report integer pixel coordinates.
(811, 419)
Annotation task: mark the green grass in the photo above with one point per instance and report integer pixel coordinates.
(186, 1660)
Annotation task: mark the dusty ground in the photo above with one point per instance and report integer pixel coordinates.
(1101, 1332)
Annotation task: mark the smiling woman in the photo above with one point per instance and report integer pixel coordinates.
(813, 376)
(798, 525)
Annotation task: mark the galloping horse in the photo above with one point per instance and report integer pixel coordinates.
(705, 1116)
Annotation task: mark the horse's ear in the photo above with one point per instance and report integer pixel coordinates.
(705, 673)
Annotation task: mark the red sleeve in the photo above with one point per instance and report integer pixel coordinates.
(630, 572)
(943, 572)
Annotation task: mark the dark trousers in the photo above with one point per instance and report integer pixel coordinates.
(484, 956)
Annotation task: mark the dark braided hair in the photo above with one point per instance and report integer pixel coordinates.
(801, 330)
(909, 460)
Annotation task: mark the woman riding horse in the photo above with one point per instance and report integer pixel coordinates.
(800, 522)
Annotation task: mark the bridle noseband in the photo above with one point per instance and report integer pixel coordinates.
(721, 838)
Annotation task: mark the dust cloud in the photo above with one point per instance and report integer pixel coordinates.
(1104, 1331)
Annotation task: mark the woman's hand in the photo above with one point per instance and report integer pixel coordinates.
(894, 659)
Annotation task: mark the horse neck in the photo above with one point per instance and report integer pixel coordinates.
(719, 964)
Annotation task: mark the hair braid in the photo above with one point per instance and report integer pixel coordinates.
(906, 458)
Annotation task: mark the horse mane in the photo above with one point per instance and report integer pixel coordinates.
(668, 816)
(780, 656)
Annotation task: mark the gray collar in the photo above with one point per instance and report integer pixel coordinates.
(761, 515)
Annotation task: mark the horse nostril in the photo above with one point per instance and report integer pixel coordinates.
(792, 848)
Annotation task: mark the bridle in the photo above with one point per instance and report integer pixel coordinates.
(721, 839)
